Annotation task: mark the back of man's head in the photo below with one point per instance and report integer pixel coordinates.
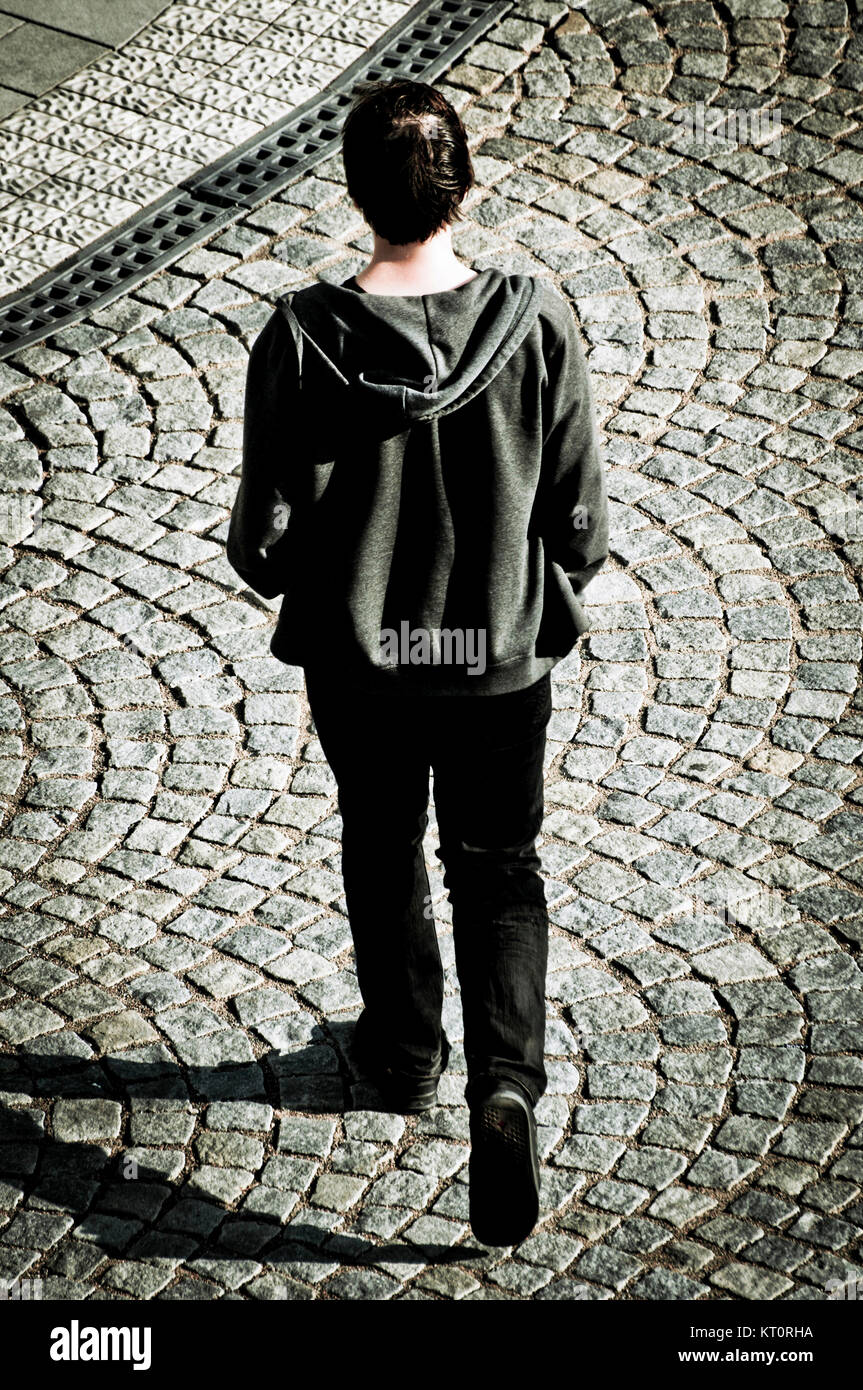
(406, 158)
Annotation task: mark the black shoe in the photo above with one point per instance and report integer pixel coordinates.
(504, 1166)
(404, 1092)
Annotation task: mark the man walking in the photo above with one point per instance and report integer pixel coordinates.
(421, 480)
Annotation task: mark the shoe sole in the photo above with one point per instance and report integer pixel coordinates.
(503, 1173)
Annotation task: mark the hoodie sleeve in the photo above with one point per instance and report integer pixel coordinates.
(574, 503)
(257, 531)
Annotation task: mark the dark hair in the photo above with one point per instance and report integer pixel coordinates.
(406, 159)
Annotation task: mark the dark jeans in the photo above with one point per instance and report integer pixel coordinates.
(486, 753)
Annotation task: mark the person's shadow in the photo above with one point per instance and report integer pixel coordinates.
(120, 1205)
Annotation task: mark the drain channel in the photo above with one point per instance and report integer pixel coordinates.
(422, 45)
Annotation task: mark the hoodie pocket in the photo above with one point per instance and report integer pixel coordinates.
(563, 618)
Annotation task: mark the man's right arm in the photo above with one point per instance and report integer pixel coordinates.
(257, 531)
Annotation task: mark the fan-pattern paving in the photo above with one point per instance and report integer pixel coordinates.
(181, 1114)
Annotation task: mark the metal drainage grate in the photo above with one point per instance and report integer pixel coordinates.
(422, 45)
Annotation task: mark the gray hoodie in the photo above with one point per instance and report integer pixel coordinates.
(421, 480)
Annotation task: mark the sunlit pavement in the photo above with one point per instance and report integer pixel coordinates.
(181, 1115)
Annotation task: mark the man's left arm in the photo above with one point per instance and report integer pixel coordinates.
(259, 519)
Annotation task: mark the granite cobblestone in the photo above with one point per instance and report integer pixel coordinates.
(178, 983)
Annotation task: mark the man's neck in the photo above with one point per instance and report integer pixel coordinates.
(426, 267)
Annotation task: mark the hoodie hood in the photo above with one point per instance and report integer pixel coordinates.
(405, 358)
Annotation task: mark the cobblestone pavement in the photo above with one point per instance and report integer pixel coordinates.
(182, 1118)
(200, 79)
